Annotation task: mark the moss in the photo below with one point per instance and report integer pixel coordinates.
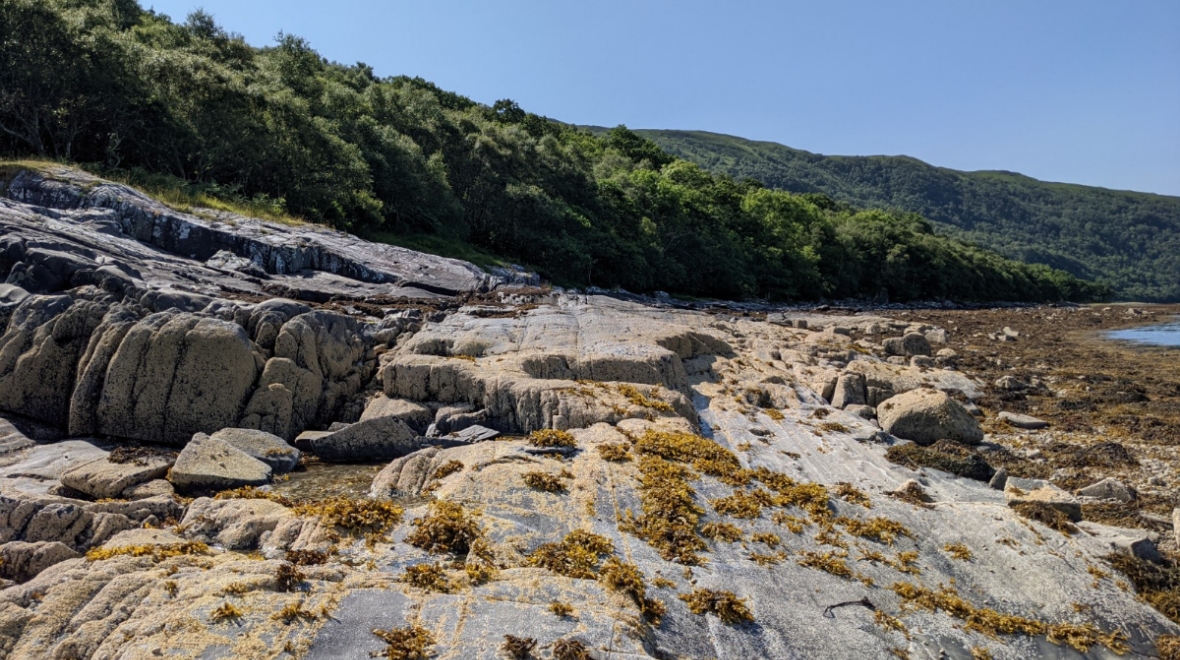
(543, 481)
(828, 562)
(958, 551)
(518, 648)
(614, 451)
(627, 579)
(1047, 515)
(563, 610)
(576, 556)
(883, 530)
(226, 612)
(408, 643)
(548, 438)
(723, 604)
(288, 577)
(853, 495)
(306, 557)
(293, 612)
(447, 469)
(430, 577)
(943, 455)
(446, 528)
(570, 649)
(991, 623)
(367, 518)
(721, 531)
(156, 552)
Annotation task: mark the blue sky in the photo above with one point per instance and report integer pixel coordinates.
(1078, 90)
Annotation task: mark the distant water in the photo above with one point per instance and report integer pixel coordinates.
(1167, 334)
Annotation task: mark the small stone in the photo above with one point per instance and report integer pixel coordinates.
(153, 488)
(381, 438)
(1023, 421)
(999, 479)
(922, 361)
(1110, 489)
(862, 411)
(936, 336)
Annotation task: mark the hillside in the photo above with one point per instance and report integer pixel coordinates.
(1127, 240)
(193, 112)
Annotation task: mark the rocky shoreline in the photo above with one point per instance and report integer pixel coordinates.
(562, 475)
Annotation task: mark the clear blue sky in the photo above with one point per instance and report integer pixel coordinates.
(1064, 90)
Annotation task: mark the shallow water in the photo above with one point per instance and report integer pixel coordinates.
(1167, 334)
(316, 481)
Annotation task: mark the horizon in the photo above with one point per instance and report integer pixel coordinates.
(1081, 93)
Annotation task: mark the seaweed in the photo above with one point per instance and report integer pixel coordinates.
(408, 643)
(725, 605)
(576, 556)
(446, 528)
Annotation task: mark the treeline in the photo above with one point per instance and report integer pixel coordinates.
(125, 90)
(1127, 240)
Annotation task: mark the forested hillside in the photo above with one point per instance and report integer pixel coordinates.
(191, 108)
(1128, 240)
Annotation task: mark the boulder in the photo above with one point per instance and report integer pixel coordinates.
(910, 344)
(1023, 421)
(22, 561)
(862, 411)
(106, 479)
(850, 391)
(927, 416)
(208, 463)
(1136, 542)
(1110, 489)
(406, 475)
(415, 415)
(936, 336)
(922, 362)
(1010, 384)
(266, 447)
(381, 438)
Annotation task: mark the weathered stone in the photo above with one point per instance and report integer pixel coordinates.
(936, 336)
(1023, 421)
(1040, 492)
(211, 463)
(1110, 489)
(380, 438)
(415, 415)
(22, 561)
(1010, 384)
(266, 447)
(406, 475)
(999, 480)
(862, 411)
(104, 479)
(922, 362)
(235, 524)
(850, 391)
(926, 416)
(1136, 542)
(149, 489)
(909, 345)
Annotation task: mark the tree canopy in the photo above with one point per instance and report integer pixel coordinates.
(126, 90)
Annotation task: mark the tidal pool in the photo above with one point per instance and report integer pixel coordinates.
(1167, 334)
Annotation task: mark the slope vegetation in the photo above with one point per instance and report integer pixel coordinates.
(1127, 240)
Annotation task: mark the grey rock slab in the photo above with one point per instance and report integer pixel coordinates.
(348, 635)
(211, 463)
(1020, 421)
(1110, 489)
(416, 415)
(927, 416)
(51, 461)
(266, 447)
(303, 440)
(862, 411)
(149, 489)
(850, 391)
(475, 433)
(103, 478)
(1138, 542)
(380, 438)
(1010, 384)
